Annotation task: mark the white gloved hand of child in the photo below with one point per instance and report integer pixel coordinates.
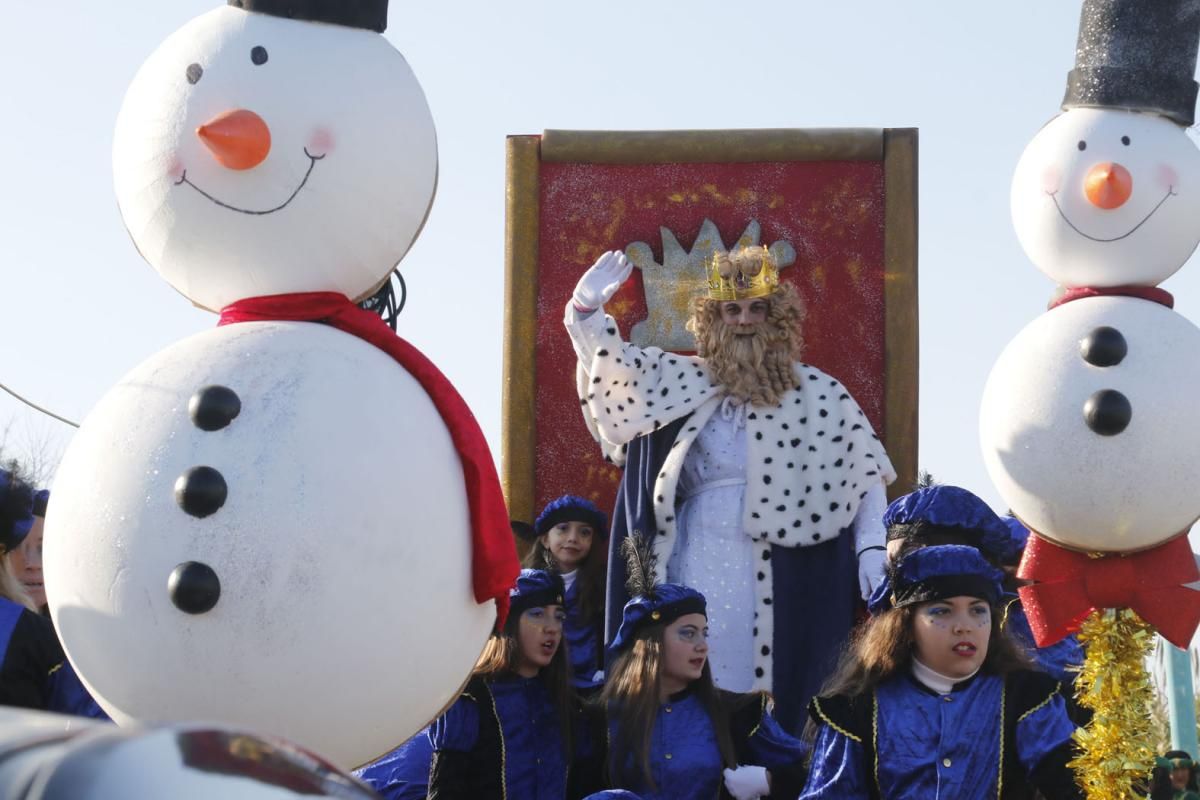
(747, 783)
(601, 281)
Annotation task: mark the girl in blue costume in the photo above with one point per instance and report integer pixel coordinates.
(932, 701)
(511, 734)
(564, 538)
(671, 734)
(939, 514)
(34, 671)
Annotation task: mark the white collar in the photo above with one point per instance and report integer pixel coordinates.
(569, 578)
(935, 680)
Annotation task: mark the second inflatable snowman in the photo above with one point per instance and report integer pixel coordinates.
(290, 526)
(1089, 423)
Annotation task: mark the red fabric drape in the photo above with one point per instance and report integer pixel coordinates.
(494, 563)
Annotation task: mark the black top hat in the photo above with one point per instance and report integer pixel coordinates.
(369, 14)
(1137, 55)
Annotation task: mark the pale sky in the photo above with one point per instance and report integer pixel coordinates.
(978, 80)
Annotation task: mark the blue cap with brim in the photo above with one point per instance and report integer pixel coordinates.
(943, 571)
(535, 588)
(16, 500)
(952, 507)
(667, 603)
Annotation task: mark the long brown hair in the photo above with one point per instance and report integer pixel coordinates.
(884, 646)
(632, 695)
(756, 368)
(498, 661)
(591, 576)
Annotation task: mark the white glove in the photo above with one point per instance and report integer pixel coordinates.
(871, 564)
(601, 281)
(747, 783)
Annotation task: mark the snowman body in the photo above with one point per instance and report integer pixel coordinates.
(267, 524)
(1088, 425)
(1120, 490)
(344, 586)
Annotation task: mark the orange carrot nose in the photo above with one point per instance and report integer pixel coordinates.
(1108, 185)
(238, 139)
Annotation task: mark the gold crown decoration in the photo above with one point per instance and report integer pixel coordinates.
(672, 284)
(741, 274)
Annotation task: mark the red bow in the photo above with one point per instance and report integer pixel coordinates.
(494, 564)
(1069, 586)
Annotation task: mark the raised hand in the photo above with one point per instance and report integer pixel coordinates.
(601, 281)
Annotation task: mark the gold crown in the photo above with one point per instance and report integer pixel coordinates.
(741, 274)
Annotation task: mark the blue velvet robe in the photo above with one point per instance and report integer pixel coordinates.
(583, 639)
(934, 747)
(820, 577)
(34, 671)
(402, 774)
(685, 760)
(535, 766)
(1055, 659)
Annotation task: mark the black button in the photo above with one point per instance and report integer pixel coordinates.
(1104, 347)
(1107, 412)
(201, 491)
(194, 587)
(214, 407)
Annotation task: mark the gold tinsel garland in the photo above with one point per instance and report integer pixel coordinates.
(1114, 748)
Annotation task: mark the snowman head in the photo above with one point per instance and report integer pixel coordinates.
(258, 155)
(1108, 198)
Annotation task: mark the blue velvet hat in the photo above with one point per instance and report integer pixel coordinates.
(942, 571)
(951, 510)
(1019, 535)
(16, 510)
(535, 588)
(881, 599)
(41, 499)
(570, 508)
(663, 605)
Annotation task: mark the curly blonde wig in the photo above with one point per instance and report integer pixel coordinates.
(758, 367)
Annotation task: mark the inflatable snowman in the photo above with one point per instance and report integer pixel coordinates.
(1089, 424)
(289, 526)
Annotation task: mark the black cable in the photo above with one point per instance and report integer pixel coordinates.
(36, 407)
(384, 302)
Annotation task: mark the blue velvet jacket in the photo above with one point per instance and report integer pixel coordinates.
(1055, 659)
(583, 639)
(992, 737)
(34, 671)
(501, 739)
(402, 774)
(685, 761)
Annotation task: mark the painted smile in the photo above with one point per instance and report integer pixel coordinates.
(1054, 196)
(312, 162)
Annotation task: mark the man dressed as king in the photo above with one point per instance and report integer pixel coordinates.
(757, 477)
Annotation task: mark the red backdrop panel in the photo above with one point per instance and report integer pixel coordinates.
(832, 212)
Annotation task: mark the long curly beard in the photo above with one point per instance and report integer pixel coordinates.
(754, 363)
(753, 366)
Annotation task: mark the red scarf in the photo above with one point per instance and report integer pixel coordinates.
(494, 564)
(1152, 293)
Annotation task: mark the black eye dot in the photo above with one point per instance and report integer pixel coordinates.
(194, 71)
(258, 54)
(1125, 140)
(1082, 144)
